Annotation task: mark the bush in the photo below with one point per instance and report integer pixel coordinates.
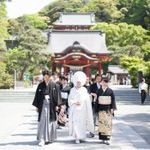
(6, 80)
(134, 81)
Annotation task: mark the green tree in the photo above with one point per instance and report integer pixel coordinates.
(18, 26)
(54, 9)
(16, 59)
(105, 10)
(3, 25)
(37, 21)
(28, 53)
(122, 34)
(146, 50)
(146, 72)
(32, 44)
(6, 80)
(133, 65)
(123, 39)
(136, 12)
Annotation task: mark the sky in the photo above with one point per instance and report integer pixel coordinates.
(17, 8)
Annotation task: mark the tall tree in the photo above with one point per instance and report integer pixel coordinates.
(105, 10)
(146, 50)
(28, 53)
(124, 39)
(3, 25)
(6, 80)
(37, 21)
(133, 65)
(31, 45)
(136, 12)
(54, 9)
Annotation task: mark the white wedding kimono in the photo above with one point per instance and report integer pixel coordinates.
(80, 116)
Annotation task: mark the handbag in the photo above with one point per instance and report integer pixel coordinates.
(104, 100)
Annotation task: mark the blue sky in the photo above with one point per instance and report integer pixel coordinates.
(17, 8)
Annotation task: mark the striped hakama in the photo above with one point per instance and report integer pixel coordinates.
(46, 129)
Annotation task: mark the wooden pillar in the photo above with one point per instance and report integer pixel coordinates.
(66, 70)
(87, 71)
(53, 67)
(99, 68)
(59, 69)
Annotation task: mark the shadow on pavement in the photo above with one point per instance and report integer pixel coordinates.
(29, 143)
(23, 134)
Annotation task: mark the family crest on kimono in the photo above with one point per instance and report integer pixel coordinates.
(105, 106)
(80, 109)
(47, 99)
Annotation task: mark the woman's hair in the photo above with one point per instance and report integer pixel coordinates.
(98, 75)
(143, 80)
(105, 79)
(64, 78)
(46, 72)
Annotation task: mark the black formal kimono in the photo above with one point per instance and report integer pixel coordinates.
(104, 113)
(64, 94)
(55, 98)
(87, 86)
(93, 89)
(47, 110)
(63, 111)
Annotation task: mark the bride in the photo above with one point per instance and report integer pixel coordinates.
(80, 109)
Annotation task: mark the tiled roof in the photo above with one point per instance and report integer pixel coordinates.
(92, 41)
(76, 19)
(116, 69)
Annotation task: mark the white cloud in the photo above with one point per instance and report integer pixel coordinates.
(17, 8)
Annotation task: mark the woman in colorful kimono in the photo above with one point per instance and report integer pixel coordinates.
(105, 106)
(80, 109)
(46, 100)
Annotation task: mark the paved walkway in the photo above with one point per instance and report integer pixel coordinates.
(18, 130)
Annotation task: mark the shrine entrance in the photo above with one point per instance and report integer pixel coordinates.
(74, 47)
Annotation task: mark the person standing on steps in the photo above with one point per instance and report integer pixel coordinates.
(47, 99)
(143, 87)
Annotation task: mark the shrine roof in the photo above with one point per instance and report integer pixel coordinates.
(116, 69)
(92, 41)
(85, 19)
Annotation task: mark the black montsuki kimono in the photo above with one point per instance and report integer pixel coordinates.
(107, 92)
(65, 90)
(55, 98)
(105, 116)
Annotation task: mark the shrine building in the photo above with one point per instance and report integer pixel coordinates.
(73, 46)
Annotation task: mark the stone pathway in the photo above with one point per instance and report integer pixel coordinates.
(23, 137)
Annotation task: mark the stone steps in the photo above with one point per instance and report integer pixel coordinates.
(129, 96)
(16, 96)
